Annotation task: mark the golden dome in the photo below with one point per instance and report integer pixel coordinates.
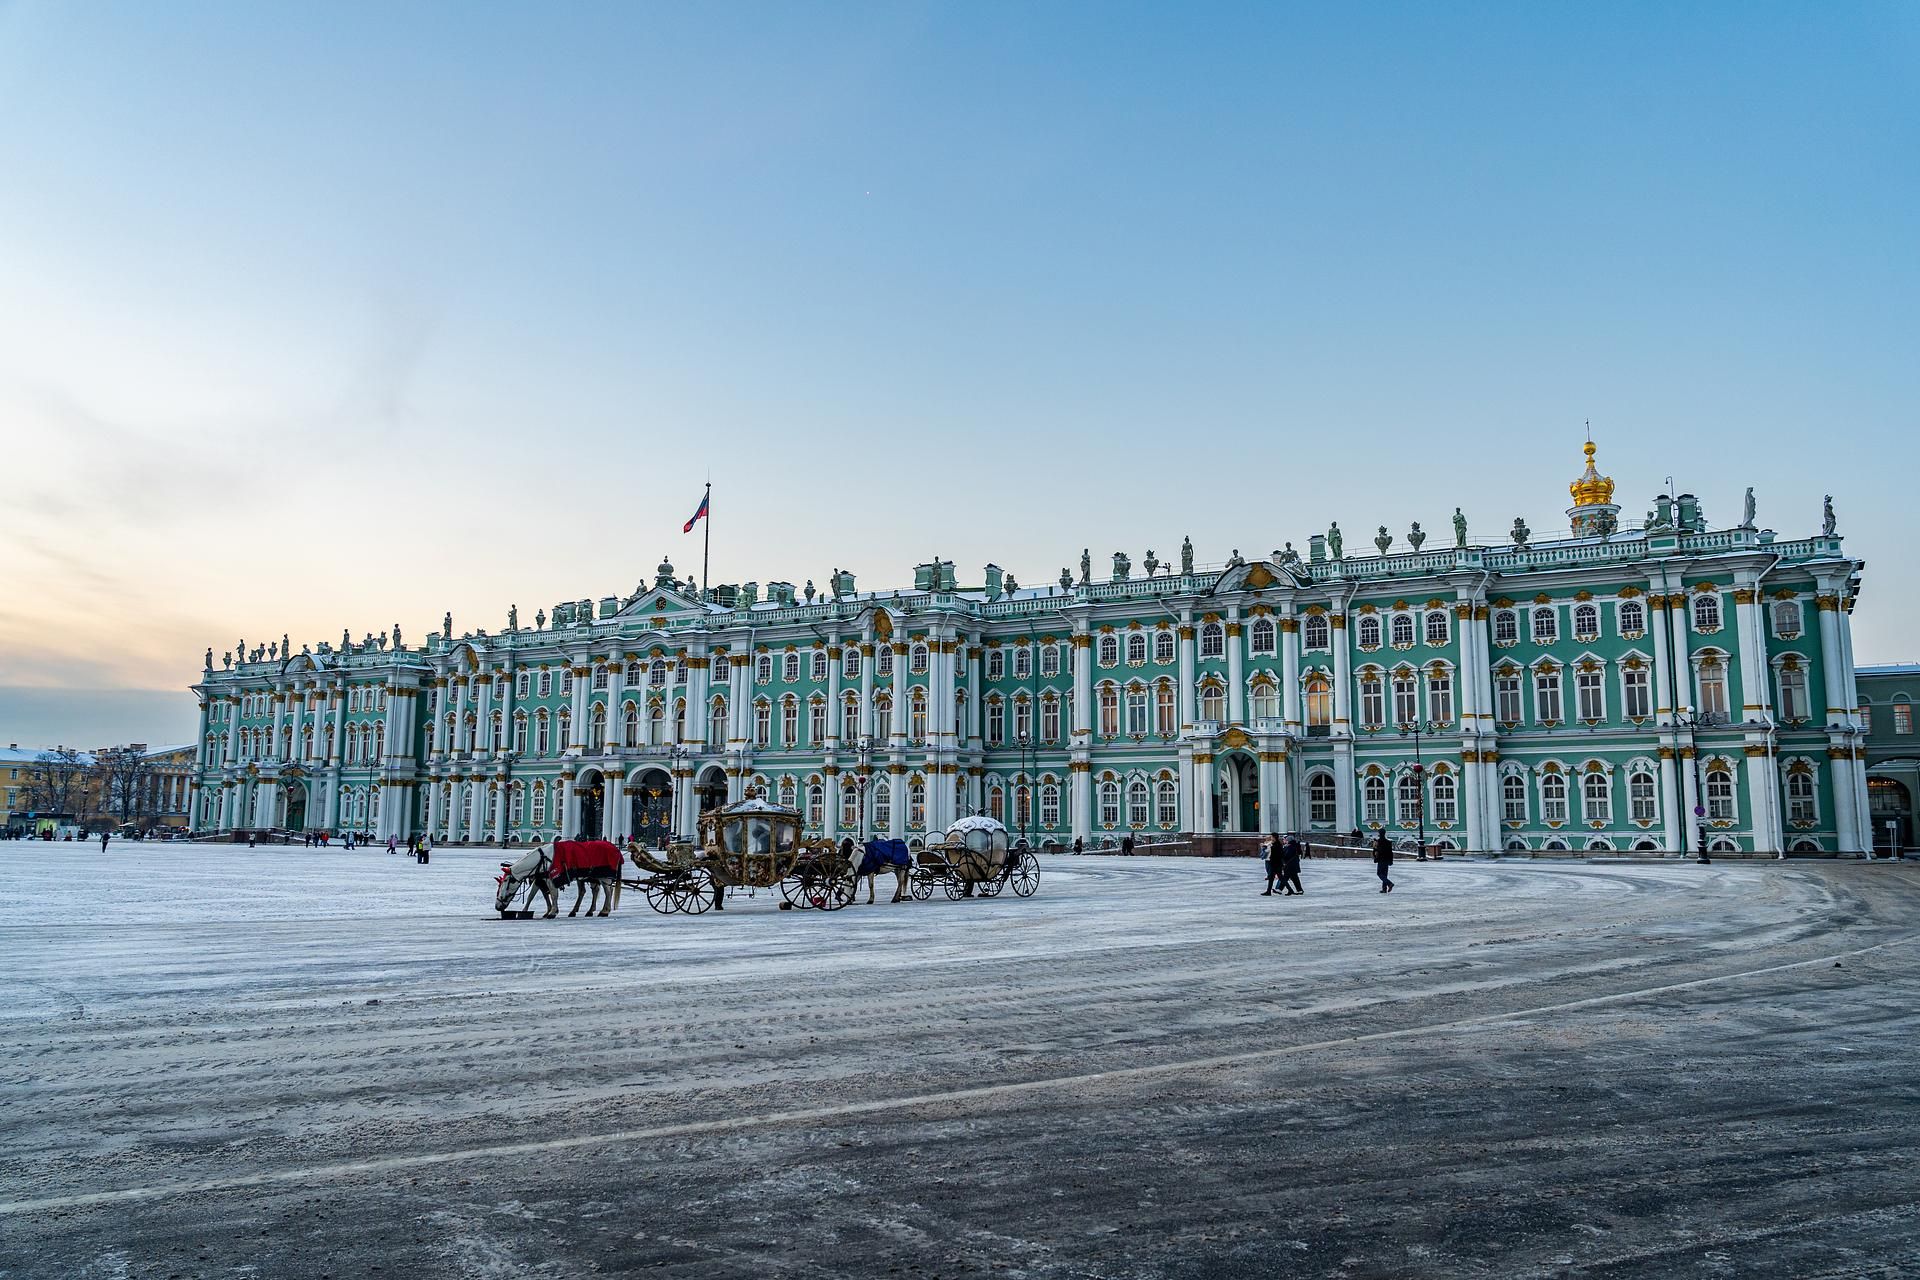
(1592, 489)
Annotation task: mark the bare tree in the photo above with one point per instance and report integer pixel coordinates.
(123, 779)
(56, 782)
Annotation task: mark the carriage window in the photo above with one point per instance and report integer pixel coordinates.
(784, 836)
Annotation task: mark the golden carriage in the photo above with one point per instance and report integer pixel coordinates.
(756, 844)
(974, 857)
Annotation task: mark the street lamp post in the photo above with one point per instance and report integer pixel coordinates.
(1415, 729)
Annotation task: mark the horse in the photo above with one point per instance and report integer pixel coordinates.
(533, 865)
(586, 864)
(882, 855)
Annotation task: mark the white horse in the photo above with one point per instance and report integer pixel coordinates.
(532, 865)
(876, 858)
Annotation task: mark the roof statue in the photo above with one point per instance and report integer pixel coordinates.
(1416, 536)
(1383, 539)
(1086, 566)
(209, 662)
(1333, 538)
(1826, 517)
(1459, 529)
(1186, 557)
(1747, 512)
(513, 617)
(1150, 562)
(1592, 489)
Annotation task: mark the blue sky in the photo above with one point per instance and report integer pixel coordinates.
(348, 314)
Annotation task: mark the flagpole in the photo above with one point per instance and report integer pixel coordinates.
(706, 542)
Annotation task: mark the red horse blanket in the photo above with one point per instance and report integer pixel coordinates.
(584, 860)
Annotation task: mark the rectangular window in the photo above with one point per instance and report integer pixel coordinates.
(1023, 720)
(1546, 697)
(1050, 720)
(1713, 690)
(1373, 710)
(1586, 688)
(1903, 717)
(1793, 694)
(1440, 698)
(1406, 701)
(996, 723)
(1507, 699)
(1637, 690)
(1049, 805)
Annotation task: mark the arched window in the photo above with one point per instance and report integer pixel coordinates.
(1373, 800)
(1139, 799)
(1437, 632)
(543, 742)
(1445, 798)
(996, 801)
(630, 726)
(1706, 611)
(1553, 797)
(1320, 798)
(790, 721)
(656, 725)
(1109, 650)
(1109, 702)
(1786, 619)
(1109, 804)
(1213, 702)
(1165, 722)
(1586, 622)
(849, 716)
(996, 663)
(1213, 640)
(1513, 798)
(1167, 796)
(1373, 703)
(1163, 646)
(539, 804)
(917, 714)
(657, 673)
(1401, 629)
(1136, 648)
(917, 660)
(1266, 700)
(762, 722)
(1793, 693)
(1409, 798)
(817, 665)
(1049, 660)
(1546, 625)
(1022, 805)
(917, 803)
(850, 668)
(1713, 687)
(882, 805)
(816, 805)
(1641, 805)
(790, 667)
(787, 792)
(763, 669)
(817, 720)
(1315, 632)
(849, 806)
(717, 723)
(1596, 798)
(1319, 701)
(1366, 632)
(1506, 627)
(1800, 796)
(1023, 662)
(1720, 806)
(1136, 710)
(1049, 804)
(996, 720)
(1632, 617)
(1261, 636)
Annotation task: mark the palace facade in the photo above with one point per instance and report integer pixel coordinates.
(1648, 686)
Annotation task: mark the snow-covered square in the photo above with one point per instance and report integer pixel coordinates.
(289, 1062)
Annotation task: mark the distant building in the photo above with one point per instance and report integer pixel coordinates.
(1889, 695)
(1620, 685)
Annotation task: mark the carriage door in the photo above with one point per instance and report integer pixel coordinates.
(652, 811)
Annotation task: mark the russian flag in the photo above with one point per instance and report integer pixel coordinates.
(698, 513)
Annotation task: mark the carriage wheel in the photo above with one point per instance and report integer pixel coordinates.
(991, 887)
(920, 888)
(1026, 876)
(836, 891)
(694, 893)
(956, 888)
(799, 891)
(661, 897)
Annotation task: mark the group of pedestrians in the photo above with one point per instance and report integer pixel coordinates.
(1283, 856)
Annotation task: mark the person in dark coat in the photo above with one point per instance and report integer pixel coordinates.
(1274, 862)
(1382, 860)
(1290, 866)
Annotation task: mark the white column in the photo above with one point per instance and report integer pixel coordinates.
(1664, 703)
(1471, 788)
(867, 676)
(830, 824)
(973, 693)
(697, 665)
(482, 712)
(506, 799)
(279, 720)
(337, 748)
(477, 812)
(1755, 699)
(456, 808)
(1342, 676)
(1850, 684)
(1290, 673)
(897, 777)
(897, 723)
(1082, 686)
(834, 655)
(1200, 794)
(1081, 791)
(1187, 672)
(616, 692)
(462, 703)
(233, 730)
(1236, 670)
(582, 688)
(1670, 801)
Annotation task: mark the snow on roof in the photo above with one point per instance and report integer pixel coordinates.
(31, 755)
(1889, 669)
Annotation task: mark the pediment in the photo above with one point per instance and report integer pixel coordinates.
(1261, 575)
(659, 602)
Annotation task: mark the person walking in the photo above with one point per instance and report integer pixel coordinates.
(1273, 861)
(392, 845)
(1382, 860)
(1290, 866)
(103, 841)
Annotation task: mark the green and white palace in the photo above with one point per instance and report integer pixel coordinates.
(1640, 686)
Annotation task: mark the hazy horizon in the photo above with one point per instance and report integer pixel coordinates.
(336, 320)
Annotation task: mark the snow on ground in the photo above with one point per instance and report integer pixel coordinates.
(307, 1062)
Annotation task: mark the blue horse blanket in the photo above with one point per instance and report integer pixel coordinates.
(882, 855)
